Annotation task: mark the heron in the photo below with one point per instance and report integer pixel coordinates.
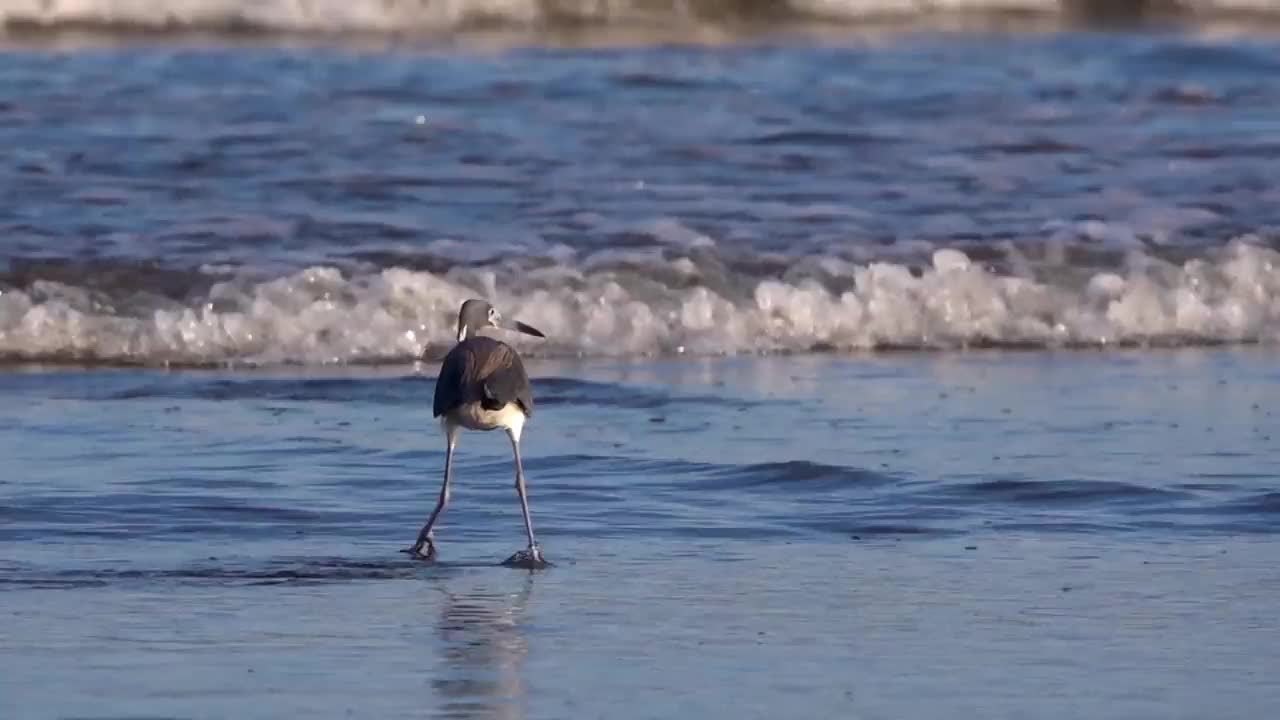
(482, 385)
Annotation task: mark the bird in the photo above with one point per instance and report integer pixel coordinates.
(482, 385)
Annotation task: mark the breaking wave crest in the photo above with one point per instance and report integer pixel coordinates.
(324, 315)
(409, 16)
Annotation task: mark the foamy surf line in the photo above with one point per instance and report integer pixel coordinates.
(323, 316)
(379, 16)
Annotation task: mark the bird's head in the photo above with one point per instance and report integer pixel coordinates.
(476, 315)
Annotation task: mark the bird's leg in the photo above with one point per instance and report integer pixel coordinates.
(533, 556)
(426, 536)
(524, 495)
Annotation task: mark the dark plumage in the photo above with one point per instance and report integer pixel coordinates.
(481, 369)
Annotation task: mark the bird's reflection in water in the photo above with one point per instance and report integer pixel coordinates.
(483, 648)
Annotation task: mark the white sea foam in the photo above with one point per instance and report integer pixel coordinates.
(380, 16)
(321, 316)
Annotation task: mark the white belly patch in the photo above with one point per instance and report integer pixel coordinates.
(475, 417)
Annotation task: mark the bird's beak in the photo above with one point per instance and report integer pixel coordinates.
(517, 326)
(526, 329)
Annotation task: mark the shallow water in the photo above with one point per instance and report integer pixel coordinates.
(1063, 535)
(229, 265)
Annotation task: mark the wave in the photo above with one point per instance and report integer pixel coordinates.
(1045, 493)
(412, 390)
(791, 474)
(427, 16)
(332, 316)
(269, 571)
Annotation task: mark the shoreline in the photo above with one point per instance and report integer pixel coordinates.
(402, 366)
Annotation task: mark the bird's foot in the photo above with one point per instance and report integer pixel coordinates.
(421, 551)
(529, 559)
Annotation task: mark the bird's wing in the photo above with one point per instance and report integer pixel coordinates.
(450, 383)
(502, 377)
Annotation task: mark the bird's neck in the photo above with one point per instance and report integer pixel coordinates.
(466, 332)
